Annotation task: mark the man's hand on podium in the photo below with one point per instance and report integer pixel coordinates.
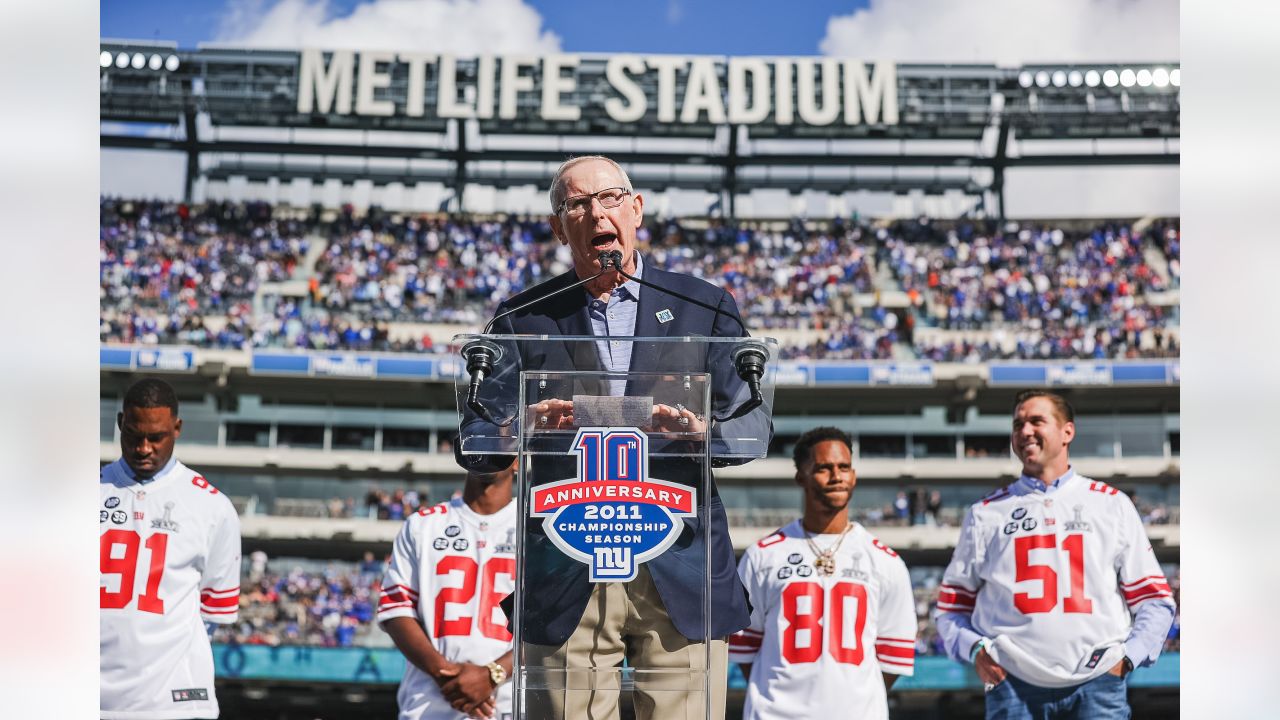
(553, 414)
(677, 418)
(550, 415)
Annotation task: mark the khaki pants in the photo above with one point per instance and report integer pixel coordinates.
(626, 620)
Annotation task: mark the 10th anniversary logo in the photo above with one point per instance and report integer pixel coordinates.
(612, 516)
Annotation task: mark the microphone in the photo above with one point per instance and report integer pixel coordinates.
(749, 356)
(482, 354)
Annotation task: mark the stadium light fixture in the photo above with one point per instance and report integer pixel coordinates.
(1075, 78)
(104, 59)
(1111, 78)
(1175, 77)
(171, 63)
(1042, 79)
(122, 60)
(155, 62)
(139, 60)
(1128, 77)
(1092, 78)
(1160, 77)
(1025, 79)
(1059, 78)
(1144, 78)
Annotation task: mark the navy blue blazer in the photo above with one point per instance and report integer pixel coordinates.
(556, 586)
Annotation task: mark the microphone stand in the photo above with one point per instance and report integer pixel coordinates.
(482, 354)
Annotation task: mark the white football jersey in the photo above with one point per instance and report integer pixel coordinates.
(450, 567)
(1051, 577)
(169, 558)
(818, 644)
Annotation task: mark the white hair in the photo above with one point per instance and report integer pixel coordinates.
(556, 180)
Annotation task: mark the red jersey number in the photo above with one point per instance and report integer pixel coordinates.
(1047, 599)
(462, 595)
(842, 595)
(126, 567)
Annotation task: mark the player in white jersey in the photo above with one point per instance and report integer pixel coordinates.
(1044, 578)
(451, 566)
(169, 558)
(833, 621)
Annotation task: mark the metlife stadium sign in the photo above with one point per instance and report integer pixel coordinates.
(567, 88)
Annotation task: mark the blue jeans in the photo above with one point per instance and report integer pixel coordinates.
(1102, 698)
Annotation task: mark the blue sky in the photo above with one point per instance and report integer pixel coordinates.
(721, 27)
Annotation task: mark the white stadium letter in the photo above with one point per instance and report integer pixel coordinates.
(318, 88)
(748, 106)
(806, 91)
(512, 83)
(783, 113)
(554, 84)
(447, 103)
(666, 66)
(702, 92)
(618, 71)
(486, 76)
(370, 80)
(416, 99)
(864, 98)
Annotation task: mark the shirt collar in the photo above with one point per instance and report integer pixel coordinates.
(631, 287)
(129, 474)
(1035, 484)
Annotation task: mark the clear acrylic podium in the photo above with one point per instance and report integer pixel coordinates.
(615, 506)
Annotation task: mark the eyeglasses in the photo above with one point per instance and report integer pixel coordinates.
(578, 205)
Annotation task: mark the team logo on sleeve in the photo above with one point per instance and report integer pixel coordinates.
(112, 503)
(794, 558)
(452, 531)
(1019, 513)
(612, 516)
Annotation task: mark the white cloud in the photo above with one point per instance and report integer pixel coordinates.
(675, 12)
(1007, 32)
(460, 27)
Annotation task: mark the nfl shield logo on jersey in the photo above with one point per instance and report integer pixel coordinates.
(613, 516)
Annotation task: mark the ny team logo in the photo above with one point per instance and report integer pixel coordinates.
(612, 516)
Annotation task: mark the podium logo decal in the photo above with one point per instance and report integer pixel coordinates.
(613, 516)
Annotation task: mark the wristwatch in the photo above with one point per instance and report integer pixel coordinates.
(1127, 667)
(496, 674)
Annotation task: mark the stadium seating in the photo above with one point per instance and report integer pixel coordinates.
(250, 275)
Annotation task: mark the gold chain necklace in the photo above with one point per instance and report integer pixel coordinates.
(824, 561)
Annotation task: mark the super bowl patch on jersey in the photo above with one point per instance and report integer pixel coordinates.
(612, 516)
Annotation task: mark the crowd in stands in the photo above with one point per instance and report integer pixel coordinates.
(1044, 293)
(301, 604)
(332, 604)
(247, 275)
